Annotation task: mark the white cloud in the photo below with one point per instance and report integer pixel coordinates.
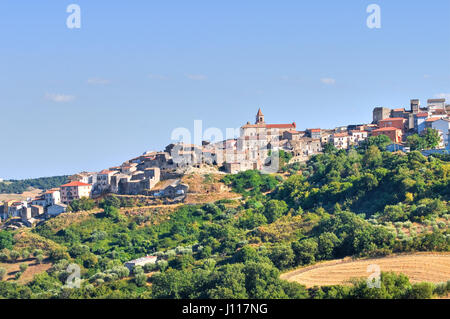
(197, 77)
(98, 81)
(158, 77)
(445, 96)
(328, 81)
(59, 98)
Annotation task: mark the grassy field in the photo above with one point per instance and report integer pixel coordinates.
(430, 267)
(32, 193)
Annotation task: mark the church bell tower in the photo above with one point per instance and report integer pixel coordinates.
(259, 117)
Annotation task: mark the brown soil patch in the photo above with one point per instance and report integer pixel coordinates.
(32, 270)
(207, 189)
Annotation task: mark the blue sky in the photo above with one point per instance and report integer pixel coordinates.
(90, 98)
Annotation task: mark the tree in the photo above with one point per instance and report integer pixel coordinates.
(305, 251)
(39, 258)
(262, 281)
(431, 138)
(380, 141)
(37, 252)
(415, 142)
(137, 270)
(228, 282)
(111, 200)
(392, 286)
(23, 267)
(140, 280)
(6, 240)
(2, 273)
(329, 148)
(282, 256)
(393, 213)
(326, 244)
(14, 255)
(372, 158)
(275, 209)
(58, 254)
(252, 219)
(246, 253)
(422, 290)
(82, 204)
(4, 256)
(25, 254)
(78, 250)
(112, 212)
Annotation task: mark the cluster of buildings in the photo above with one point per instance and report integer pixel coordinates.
(400, 123)
(34, 210)
(252, 149)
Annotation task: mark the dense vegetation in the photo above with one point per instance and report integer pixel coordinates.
(429, 140)
(356, 203)
(20, 186)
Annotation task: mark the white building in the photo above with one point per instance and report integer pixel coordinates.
(342, 140)
(359, 136)
(104, 180)
(74, 190)
(443, 126)
(52, 197)
(39, 201)
(141, 262)
(436, 104)
(56, 209)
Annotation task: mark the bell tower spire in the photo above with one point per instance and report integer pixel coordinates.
(259, 117)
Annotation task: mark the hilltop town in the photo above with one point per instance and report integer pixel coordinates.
(158, 174)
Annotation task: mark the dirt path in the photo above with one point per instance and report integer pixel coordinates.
(430, 267)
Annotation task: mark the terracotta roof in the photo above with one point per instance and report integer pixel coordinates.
(51, 191)
(386, 129)
(423, 114)
(399, 110)
(293, 125)
(72, 184)
(392, 119)
(254, 125)
(315, 130)
(340, 134)
(358, 131)
(259, 112)
(105, 171)
(432, 119)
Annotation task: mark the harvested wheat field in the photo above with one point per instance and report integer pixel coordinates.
(31, 193)
(429, 267)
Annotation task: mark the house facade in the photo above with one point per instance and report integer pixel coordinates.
(74, 190)
(443, 126)
(393, 133)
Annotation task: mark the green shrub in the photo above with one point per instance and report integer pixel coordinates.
(23, 267)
